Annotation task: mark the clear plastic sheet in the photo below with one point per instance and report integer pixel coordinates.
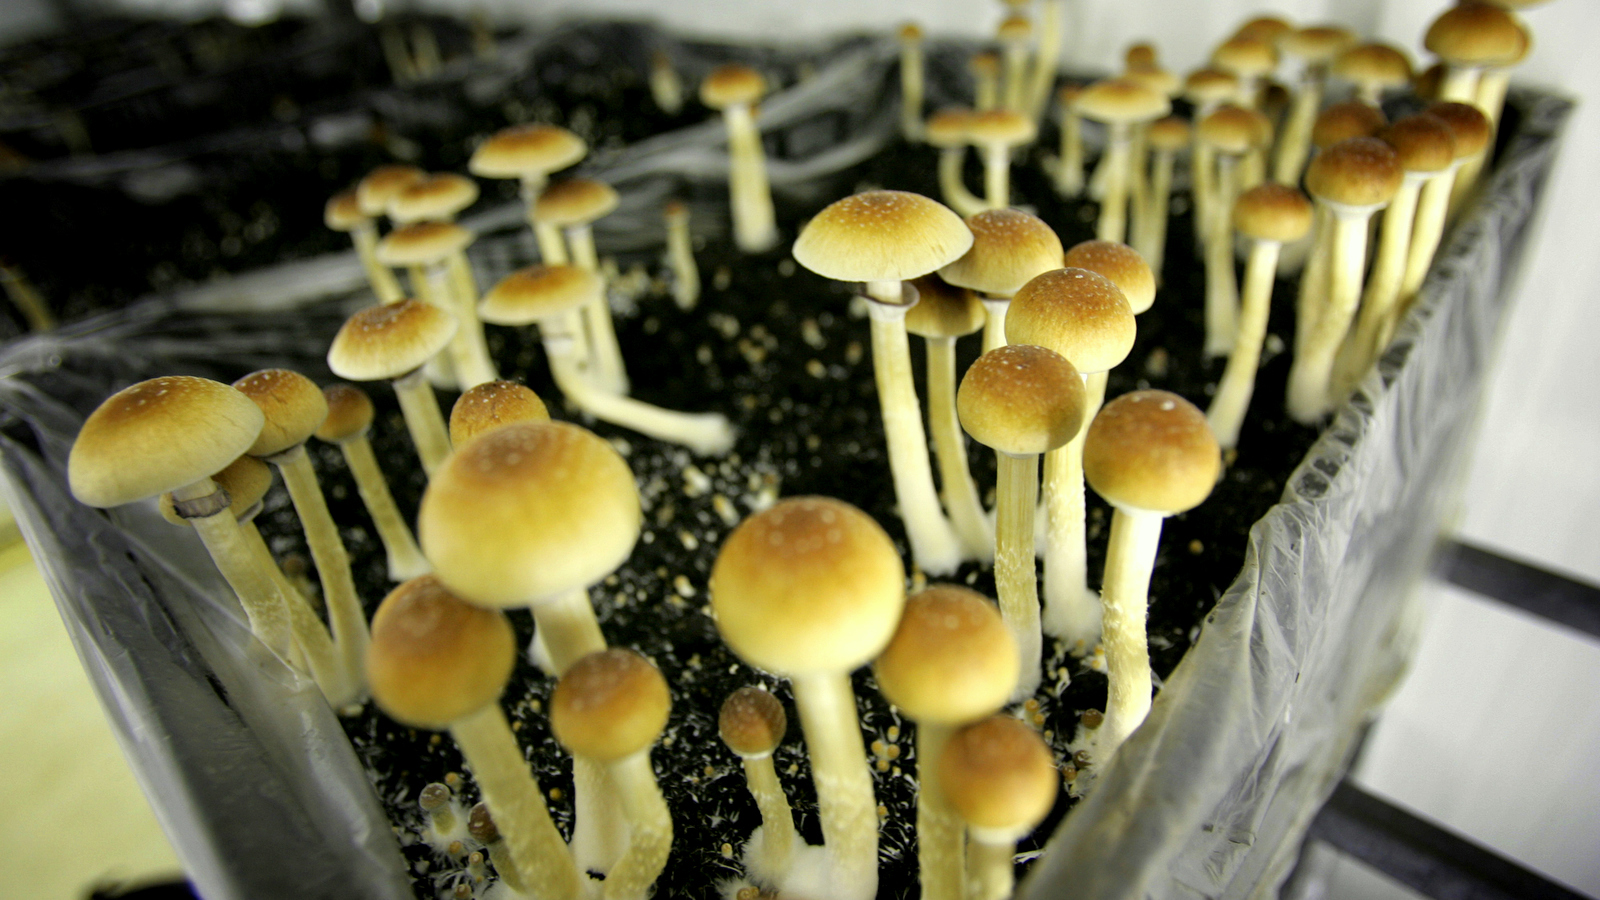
(247, 768)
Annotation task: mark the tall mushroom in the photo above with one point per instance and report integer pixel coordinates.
(350, 414)
(1315, 48)
(911, 81)
(1230, 132)
(391, 342)
(529, 153)
(1470, 128)
(680, 255)
(1373, 68)
(430, 250)
(1168, 137)
(1119, 103)
(884, 238)
(996, 133)
(946, 130)
(573, 204)
(734, 89)
(1469, 38)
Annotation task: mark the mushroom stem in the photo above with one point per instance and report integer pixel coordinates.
(380, 276)
(404, 556)
(1113, 222)
(650, 829)
(955, 192)
(778, 835)
(950, 448)
(996, 175)
(1071, 608)
(754, 227)
(609, 371)
(264, 609)
(423, 419)
(994, 325)
(1432, 211)
(514, 798)
(934, 545)
(1295, 141)
(1130, 556)
(464, 287)
(680, 255)
(1365, 343)
(1014, 573)
(1069, 168)
(1310, 378)
(567, 626)
(1313, 293)
(911, 92)
(990, 869)
(1152, 242)
(940, 857)
(1046, 57)
(1460, 84)
(1222, 285)
(470, 369)
(310, 635)
(845, 802)
(1232, 399)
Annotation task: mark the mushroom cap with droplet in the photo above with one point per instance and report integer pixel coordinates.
(527, 512)
(952, 659)
(157, 436)
(609, 705)
(752, 722)
(810, 585)
(492, 404)
(435, 658)
(881, 236)
(1151, 451)
(1000, 777)
(1357, 172)
(1020, 399)
(943, 310)
(526, 151)
(292, 404)
(422, 243)
(730, 84)
(538, 292)
(1079, 314)
(389, 340)
(350, 413)
(1009, 248)
(575, 201)
(1272, 212)
(1120, 263)
(246, 480)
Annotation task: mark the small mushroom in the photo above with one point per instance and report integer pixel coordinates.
(1009, 248)
(482, 828)
(734, 89)
(529, 153)
(1230, 132)
(392, 342)
(1168, 137)
(752, 724)
(343, 213)
(1001, 779)
(1315, 48)
(350, 414)
(434, 253)
(680, 255)
(946, 130)
(996, 132)
(573, 204)
(1119, 103)
(491, 405)
(1373, 68)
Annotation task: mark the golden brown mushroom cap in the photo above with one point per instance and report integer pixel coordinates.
(1009, 248)
(1079, 314)
(1122, 99)
(1209, 86)
(374, 191)
(438, 196)
(246, 480)
(527, 151)
(343, 212)
(1467, 123)
(575, 201)
(1265, 28)
(529, 511)
(1316, 44)
(943, 310)
(157, 436)
(490, 405)
(1232, 129)
(1245, 56)
(1374, 65)
(1345, 120)
(730, 84)
(538, 292)
(1272, 212)
(609, 705)
(1120, 263)
(1020, 399)
(1170, 134)
(1475, 34)
(1151, 451)
(752, 722)
(948, 127)
(1357, 172)
(1422, 143)
(435, 658)
(292, 403)
(350, 413)
(389, 340)
(999, 776)
(881, 236)
(952, 659)
(1002, 127)
(810, 585)
(422, 243)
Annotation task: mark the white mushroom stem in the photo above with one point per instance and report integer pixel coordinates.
(996, 175)
(985, 90)
(994, 324)
(1047, 57)
(405, 557)
(1222, 285)
(845, 802)
(1313, 293)
(941, 859)
(1310, 377)
(608, 371)
(1113, 222)
(934, 545)
(1015, 578)
(650, 829)
(381, 277)
(754, 226)
(1071, 609)
(1232, 399)
(420, 408)
(264, 608)
(705, 433)
(991, 868)
(568, 628)
(1295, 142)
(1433, 207)
(471, 370)
(1130, 557)
(680, 255)
(441, 369)
(1152, 242)
(1460, 84)
(1373, 325)
(778, 835)
(1015, 76)
(950, 448)
(514, 798)
(1069, 168)
(1203, 173)
(954, 189)
(311, 638)
(464, 287)
(911, 82)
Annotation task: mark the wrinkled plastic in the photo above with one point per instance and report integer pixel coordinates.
(248, 769)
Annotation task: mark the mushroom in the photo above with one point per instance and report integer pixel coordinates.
(350, 414)
(168, 435)
(680, 255)
(529, 153)
(666, 88)
(1316, 48)
(429, 251)
(1229, 132)
(1000, 777)
(995, 133)
(1206, 90)
(1267, 28)
(1352, 179)
(440, 663)
(1469, 38)
(985, 69)
(1168, 137)
(609, 707)
(1490, 98)
(1470, 128)
(491, 405)
(1250, 59)
(1015, 33)
(884, 238)
(552, 296)
(1168, 85)
(1270, 215)
(911, 81)
(1084, 317)
(1020, 401)
(432, 198)
(482, 828)
(944, 313)
(445, 822)
(391, 342)
(1047, 56)
(1150, 454)
(947, 131)
(1373, 68)
(572, 204)
(1124, 266)
(733, 89)
(381, 184)
(294, 408)
(1009, 248)
(752, 724)
(952, 660)
(343, 213)
(1069, 165)
(1119, 103)
(811, 589)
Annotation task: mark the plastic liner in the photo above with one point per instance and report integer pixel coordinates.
(263, 797)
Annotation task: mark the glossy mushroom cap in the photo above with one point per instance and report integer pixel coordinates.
(526, 150)
(609, 705)
(1122, 99)
(422, 243)
(1468, 124)
(943, 310)
(492, 404)
(1474, 34)
(575, 201)
(1346, 120)
(1009, 248)
(381, 184)
(350, 413)
(1422, 143)
(539, 292)
(1122, 265)
(1021, 399)
(999, 776)
(1272, 212)
(389, 340)
(292, 404)
(952, 659)
(157, 436)
(881, 236)
(435, 658)
(1357, 172)
(752, 722)
(811, 585)
(730, 84)
(438, 196)
(1079, 314)
(343, 212)
(246, 480)
(1151, 451)
(529, 511)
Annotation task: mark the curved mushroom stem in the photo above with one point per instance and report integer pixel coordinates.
(404, 556)
(381, 277)
(991, 869)
(1222, 285)
(941, 857)
(609, 371)
(1313, 293)
(1310, 376)
(650, 830)
(1232, 399)
(955, 192)
(1113, 222)
(423, 419)
(518, 806)
(264, 608)
(769, 861)
(310, 635)
(1366, 342)
(1071, 608)
(1014, 573)
(845, 801)
(1130, 556)
(950, 448)
(934, 545)
(1428, 230)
